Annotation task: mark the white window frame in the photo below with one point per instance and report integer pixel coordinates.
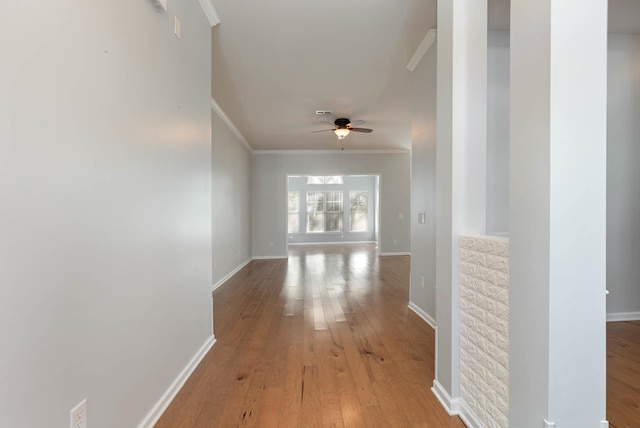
(325, 179)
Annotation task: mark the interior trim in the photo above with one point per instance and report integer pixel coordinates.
(468, 417)
(210, 12)
(451, 405)
(216, 107)
(455, 406)
(304, 244)
(623, 316)
(230, 274)
(423, 48)
(161, 405)
(276, 257)
(320, 152)
(422, 314)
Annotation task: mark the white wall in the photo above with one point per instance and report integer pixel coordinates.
(461, 166)
(423, 152)
(105, 219)
(623, 154)
(231, 201)
(423, 183)
(498, 132)
(557, 217)
(623, 176)
(269, 173)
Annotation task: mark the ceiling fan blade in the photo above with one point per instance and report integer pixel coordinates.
(358, 122)
(367, 130)
(323, 130)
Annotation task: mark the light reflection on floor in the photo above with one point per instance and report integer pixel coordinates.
(320, 280)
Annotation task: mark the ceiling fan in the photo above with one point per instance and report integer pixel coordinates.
(343, 126)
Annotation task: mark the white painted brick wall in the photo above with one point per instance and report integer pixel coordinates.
(484, 328)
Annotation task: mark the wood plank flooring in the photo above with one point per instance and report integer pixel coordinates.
(623, 374)
(323, 339)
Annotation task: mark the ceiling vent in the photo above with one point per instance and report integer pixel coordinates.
(323, 112)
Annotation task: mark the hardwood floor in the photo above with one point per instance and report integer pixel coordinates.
(623, 374)
(323, 339)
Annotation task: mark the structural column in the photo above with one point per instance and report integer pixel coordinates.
(461, 168)
(557, 213)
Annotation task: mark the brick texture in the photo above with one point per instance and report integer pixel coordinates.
(484, 328)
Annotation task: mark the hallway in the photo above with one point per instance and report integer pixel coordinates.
(321, 339)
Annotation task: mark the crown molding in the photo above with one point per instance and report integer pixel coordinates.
(423, 48)
(210, 12)
(324, 152)
(215, 107)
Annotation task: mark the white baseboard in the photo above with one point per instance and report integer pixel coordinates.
(269, 257)
(161, 405)
(468, 417)
(395, 254)
(293, 244)
(422, 314)
(230, 274)
(451, 405)
(623, 316)
(455, 406)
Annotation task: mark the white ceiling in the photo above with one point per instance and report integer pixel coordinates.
(276, 62)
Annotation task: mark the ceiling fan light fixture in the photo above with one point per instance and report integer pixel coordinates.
(342, 132)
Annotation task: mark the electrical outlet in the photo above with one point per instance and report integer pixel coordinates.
(395, 241)
(78, 415)
(422, 281)
(270, 244)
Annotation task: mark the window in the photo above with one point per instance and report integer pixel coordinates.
(315, 211)
(324, 212)
(359, 207)
(328, 179)
(333, 211)
(294, 212)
